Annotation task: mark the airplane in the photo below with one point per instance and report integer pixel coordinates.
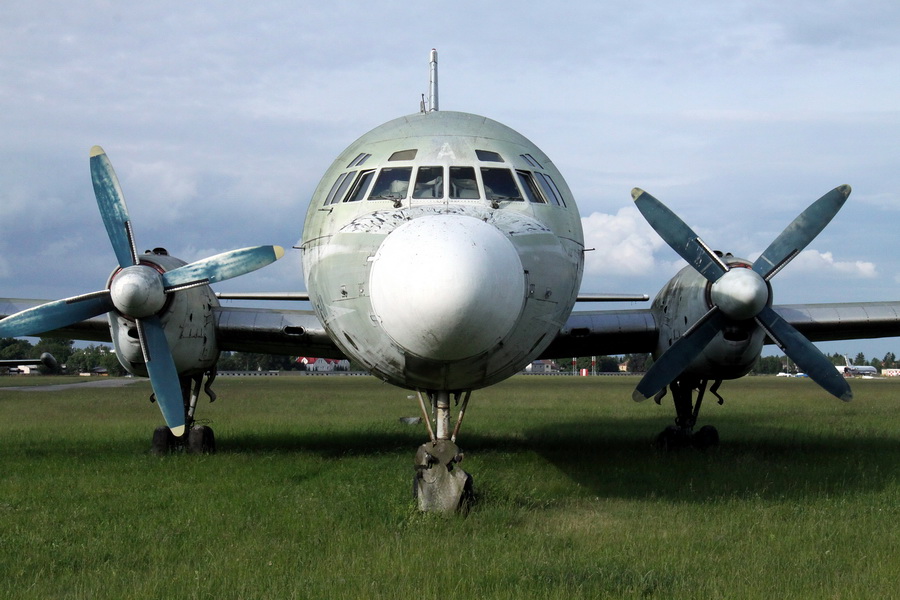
(861, 370)
(444, 252)
(46, 360)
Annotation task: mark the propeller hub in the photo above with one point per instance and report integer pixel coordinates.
(138, 291)
(740, 293)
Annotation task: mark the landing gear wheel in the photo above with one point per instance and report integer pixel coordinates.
(201, 440)
(164, 441)
(440, 484)
(673, 438)
(707, 437)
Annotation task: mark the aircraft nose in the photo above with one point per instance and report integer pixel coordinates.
(447, 287)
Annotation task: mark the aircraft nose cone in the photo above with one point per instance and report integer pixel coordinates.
(447, 287)
(740, 293)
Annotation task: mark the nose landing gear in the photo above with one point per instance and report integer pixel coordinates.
(439, 484)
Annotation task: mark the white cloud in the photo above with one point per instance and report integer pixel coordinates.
(624, 243)
(813, 261)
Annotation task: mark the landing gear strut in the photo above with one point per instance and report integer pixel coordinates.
(199, 439)
(682, 434)
(439, 484)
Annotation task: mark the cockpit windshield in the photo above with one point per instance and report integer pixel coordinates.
(463, 185)
(437, 182)
(429, 183)
(392, 184)
(499, 185)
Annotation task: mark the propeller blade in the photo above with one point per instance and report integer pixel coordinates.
(800, 232)
(112, 208)
(163, 376)
(54, 315)
(675, 360)
(222, 266)
(804, 354)
(677, 234)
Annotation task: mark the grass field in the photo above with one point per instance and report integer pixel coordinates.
(309, 495)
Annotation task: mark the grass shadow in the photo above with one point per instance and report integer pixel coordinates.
(611, 458)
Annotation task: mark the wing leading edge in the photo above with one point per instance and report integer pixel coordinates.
(595, 333)
(585, 333)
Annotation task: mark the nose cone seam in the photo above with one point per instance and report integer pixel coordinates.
(447, 287)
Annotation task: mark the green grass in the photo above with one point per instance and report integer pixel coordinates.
(309, 495)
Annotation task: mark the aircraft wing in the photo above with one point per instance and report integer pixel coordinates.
(273, 331)
(604, 332)
(585, 333)
(266, 331)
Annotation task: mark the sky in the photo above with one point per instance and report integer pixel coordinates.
(220, 118)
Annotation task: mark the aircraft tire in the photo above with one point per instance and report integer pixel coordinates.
(706, 437)
(201, 440)
(163, 441)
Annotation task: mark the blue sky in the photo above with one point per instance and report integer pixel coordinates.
(221, 118)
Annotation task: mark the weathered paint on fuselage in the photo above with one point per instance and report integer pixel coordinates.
(189, 321)
(467, 289)
(681, 303)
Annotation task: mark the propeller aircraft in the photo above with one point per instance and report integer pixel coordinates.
(444, 252)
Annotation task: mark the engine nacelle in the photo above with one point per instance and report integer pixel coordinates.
(187, 318)
(682, 302)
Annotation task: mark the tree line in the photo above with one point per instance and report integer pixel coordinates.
(83, 360)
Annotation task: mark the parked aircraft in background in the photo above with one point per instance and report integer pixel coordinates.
(444, 251)
(850, 369)
(46, 360)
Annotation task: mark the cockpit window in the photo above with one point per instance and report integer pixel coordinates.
(550, 189)
(531, 161)
(530, 187)
(429, 183)
(463, 185)
(392, 184)
(340, 187)
(360, 159)
(488, 156)
(403, 155)
(499, 185)
(359, 189)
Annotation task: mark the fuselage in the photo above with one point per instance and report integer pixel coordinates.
(443, 251)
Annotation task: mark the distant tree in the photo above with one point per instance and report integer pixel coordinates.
(253, 361)
(889, 361)
(639, 363)
(11, 348)
(860, 360)
(768, 365)
(85, 360)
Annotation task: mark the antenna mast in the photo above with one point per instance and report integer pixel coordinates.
(433, 82)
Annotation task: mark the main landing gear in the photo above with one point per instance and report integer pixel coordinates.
(439, 484)
(682, 434)
(198, 439)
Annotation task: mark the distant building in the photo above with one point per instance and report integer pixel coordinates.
(542, 366)
(323, 365)
(890, 372)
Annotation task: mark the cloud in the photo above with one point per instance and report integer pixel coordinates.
(624, 243)
(813, 261)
